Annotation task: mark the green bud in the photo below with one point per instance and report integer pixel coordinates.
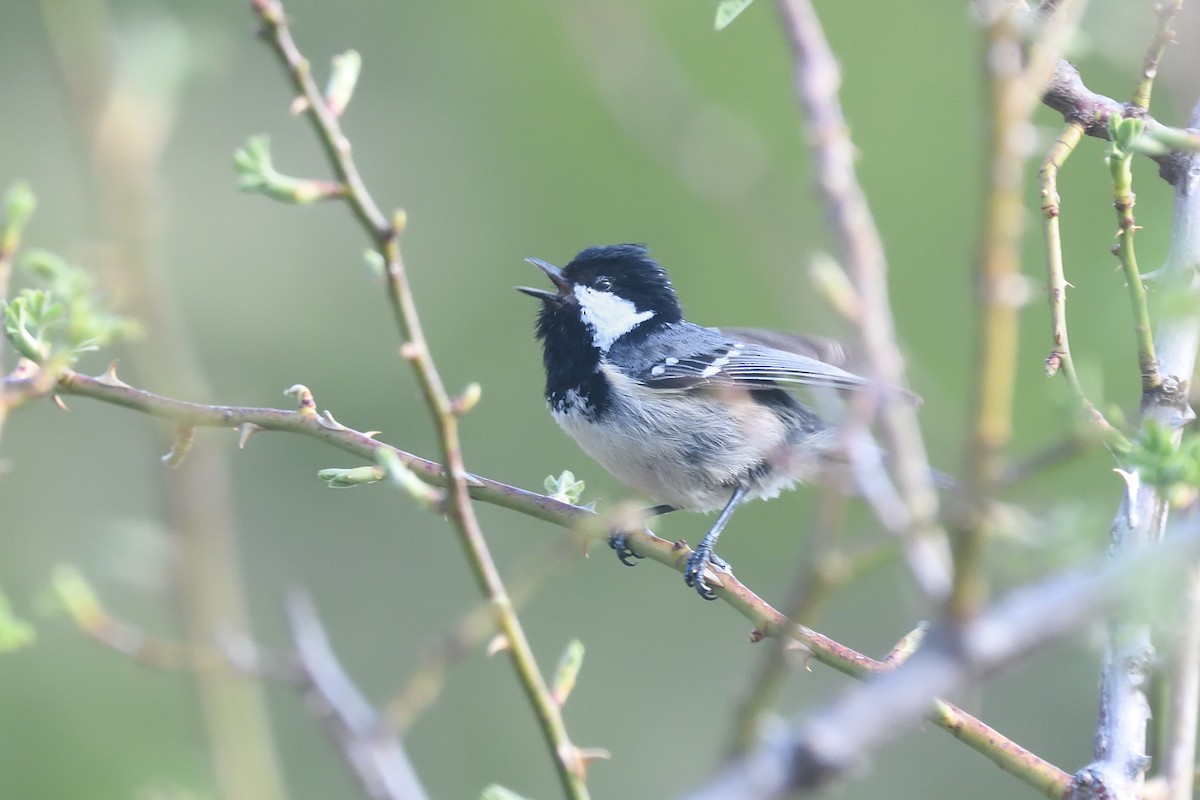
(336, 478)
(567, 672)
(342, 80)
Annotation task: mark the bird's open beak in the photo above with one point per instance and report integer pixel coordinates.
(556, 277)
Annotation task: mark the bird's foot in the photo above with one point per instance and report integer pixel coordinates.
(693, 573)
(620, 543)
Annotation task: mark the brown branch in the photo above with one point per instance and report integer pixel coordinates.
(766, 619)
(1067, 94)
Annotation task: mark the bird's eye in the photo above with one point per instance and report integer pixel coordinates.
(603, 284)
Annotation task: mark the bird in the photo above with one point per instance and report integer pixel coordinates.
(698, 419)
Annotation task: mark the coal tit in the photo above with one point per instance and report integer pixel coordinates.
(696, 418)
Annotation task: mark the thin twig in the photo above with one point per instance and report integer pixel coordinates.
(1120, 163)
(385, 236)
(1163, 35)
(1061, 359)
(767, 620)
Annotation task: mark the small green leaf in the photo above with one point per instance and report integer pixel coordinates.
(256, 173)
(728, 11)
(565, 488)
(1172, 469)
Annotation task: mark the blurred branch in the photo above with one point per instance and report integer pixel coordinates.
(767, 620)
(817, 79)
(1120, 750)
(373, 753)
(127, 113)
(953, 657)
(385, 236)
(1014, 80)
(1179, 767)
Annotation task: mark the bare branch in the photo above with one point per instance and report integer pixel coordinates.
(379, 762)
(817, 80)
(829, 742)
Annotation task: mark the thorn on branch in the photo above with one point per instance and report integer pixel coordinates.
(245, 431)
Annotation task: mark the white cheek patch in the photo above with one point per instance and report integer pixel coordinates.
(609, 317)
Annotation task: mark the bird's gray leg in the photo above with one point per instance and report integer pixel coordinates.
(693, 573)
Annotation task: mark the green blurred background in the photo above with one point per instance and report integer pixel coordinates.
(508, 130)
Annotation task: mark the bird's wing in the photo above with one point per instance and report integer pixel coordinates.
(745, 364)
(822, 348)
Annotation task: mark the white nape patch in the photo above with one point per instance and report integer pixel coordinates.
(609, 317)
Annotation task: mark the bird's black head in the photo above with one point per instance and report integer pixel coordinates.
(605, 294)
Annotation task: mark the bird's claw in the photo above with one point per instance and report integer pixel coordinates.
(693, 572)
(620, 543)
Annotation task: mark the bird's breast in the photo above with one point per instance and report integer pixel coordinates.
(686, 448)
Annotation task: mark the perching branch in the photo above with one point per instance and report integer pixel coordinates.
(385, 237)
(767, 620)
